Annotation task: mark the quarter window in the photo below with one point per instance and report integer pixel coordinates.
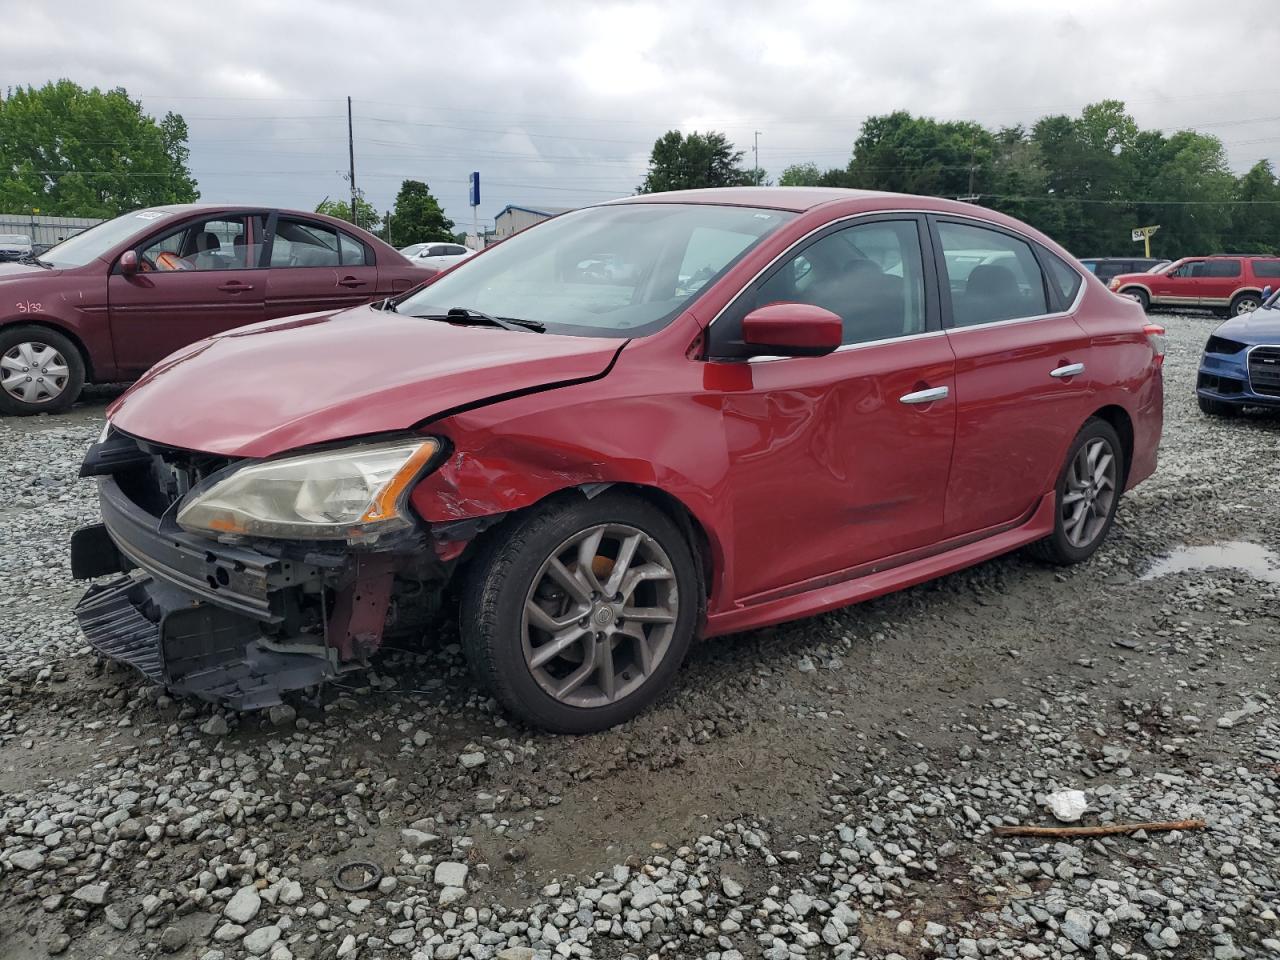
(871, 275)
(1065, 280)
(1269, 269)
(991, 275)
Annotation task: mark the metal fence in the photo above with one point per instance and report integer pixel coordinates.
(44, 231)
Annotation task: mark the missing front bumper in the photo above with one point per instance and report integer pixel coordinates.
(190, 646)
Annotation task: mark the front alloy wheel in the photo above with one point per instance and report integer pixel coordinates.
(599, 616)
(578, 614)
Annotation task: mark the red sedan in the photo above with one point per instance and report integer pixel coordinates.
(685, 414)
(106, 304)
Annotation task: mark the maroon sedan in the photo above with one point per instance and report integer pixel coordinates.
(106, 304)
(672, 415)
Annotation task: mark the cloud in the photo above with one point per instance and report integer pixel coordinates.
(558, 102)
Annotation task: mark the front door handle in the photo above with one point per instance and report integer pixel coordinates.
(1070, 370)
(926, 396)
(351, 282)
(235, 286)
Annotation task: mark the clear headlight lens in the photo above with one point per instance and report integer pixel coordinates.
(349, 494)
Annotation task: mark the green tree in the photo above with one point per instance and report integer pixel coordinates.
(800, 175)
(418, 217)
(69, 151)
(367, 216)
(1256, 217)
(909, 154)
(680, 162)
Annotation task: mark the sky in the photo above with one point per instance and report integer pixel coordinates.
(558, 103)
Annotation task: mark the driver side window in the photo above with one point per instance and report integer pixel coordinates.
(215, 244)
(1194, 269)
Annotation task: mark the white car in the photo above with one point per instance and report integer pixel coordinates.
(14, 245)
(437, 256)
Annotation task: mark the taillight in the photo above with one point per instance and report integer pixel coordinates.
(1157, 338)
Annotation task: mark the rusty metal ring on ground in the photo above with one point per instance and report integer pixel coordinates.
(372, 869)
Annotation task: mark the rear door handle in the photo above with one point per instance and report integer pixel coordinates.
(351, 282)
(926, 396)
(1070, 370)
(235, 286)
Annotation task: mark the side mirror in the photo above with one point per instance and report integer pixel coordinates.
(129, 263)
(1266, 293)
(792, 330)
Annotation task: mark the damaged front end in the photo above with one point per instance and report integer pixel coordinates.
(235, 617)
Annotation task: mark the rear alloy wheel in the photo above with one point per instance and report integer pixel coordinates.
(41, 371)
(579, 616)
(1088, 493)
(1245, 303)
(1218, 408)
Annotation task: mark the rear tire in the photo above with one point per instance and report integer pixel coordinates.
(1086, 496)
(1218, 408)
(41, 371)
(1245, 303)
(558, 641)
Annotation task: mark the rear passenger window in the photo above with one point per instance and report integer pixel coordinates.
(299, 244)
(353, 251)
(1065, 280)
(870, 275)
(1222, 268)
(991, 275)
(1266, 268)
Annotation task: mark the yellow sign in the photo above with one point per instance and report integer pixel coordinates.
(1144, 234)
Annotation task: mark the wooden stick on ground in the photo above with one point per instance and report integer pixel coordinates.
(1104, 830)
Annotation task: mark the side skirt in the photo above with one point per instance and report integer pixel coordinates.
(886, 576)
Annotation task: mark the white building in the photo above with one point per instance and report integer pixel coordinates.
(515, 218)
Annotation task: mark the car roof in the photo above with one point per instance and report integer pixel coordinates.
(796, 199)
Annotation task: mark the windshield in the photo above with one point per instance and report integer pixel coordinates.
(613, 271)
(92, 243)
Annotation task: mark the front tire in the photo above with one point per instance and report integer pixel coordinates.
(41, 371)
(1217, 408)
(579, 614)
(1087, 495)
(1138, 295)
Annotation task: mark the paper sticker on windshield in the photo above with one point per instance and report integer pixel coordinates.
(150, 215)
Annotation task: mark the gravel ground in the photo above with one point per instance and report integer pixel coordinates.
(827, 788)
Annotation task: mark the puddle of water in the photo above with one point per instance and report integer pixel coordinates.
(1250, 558)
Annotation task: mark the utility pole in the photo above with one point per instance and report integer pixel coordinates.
(351, 157)
(756, 149)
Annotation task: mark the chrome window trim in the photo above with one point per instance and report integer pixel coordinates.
(889, 214)
(848, 347)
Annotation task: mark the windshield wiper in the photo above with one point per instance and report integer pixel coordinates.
(466, 314)
(32, 258)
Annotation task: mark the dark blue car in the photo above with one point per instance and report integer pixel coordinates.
(1241, 362)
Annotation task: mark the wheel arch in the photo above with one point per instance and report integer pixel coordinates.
(45, 324)
(1120, 421)
(700, 541)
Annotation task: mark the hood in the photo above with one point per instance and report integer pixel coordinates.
(13, 270)
(275, 386)
(1256, 326)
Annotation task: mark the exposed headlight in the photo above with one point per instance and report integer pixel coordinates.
(354, 494)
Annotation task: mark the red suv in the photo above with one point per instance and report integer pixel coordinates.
(773, 403)
(106, 304)
(1232, 285)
